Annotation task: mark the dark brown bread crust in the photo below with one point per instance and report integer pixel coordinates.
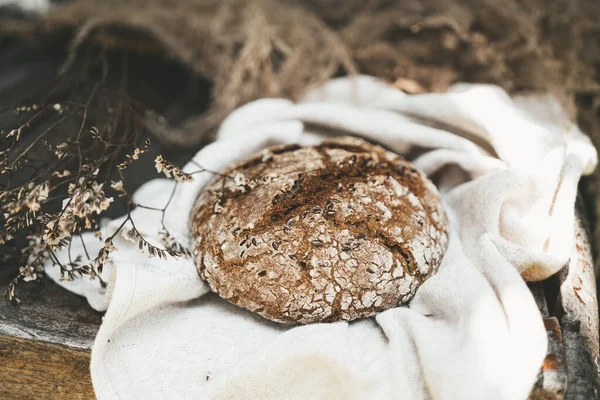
(338, 231)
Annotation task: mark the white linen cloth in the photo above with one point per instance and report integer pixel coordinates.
(473, 331)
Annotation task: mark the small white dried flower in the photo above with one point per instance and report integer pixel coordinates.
(59, 229)
(161, 166)
(64, 174)
(169, 169)
(136, 153)
(183, 178)
(81, 205)
(37, 195)
(118, 186)
(110, 246)
(28, 273)
(98, 263)
(60, 149)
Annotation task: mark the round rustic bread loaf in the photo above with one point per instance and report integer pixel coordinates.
(337, 231)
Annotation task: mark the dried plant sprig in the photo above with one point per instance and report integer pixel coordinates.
(118, 187)
(137, 152)
(62, 165)
(55, 166)
(34, 254)
(168, 169)
(173, 244)
(97, 264)
(84, 202)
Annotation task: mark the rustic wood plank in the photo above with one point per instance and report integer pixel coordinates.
(48, 313)
(45, 343)
(577, 312)
(37, 370)
(553, 378)
(568, 303)
(539, 294)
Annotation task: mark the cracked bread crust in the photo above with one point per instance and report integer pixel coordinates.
(337, 231)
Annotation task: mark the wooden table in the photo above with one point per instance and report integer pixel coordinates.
(568, 303)
(45, 342)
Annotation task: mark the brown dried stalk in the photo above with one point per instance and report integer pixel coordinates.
(62, 166)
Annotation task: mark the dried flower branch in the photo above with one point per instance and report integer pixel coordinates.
(169, 169)
(62, 165)
(55, 166)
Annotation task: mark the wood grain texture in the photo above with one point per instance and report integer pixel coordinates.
(48, 313)
(577, 311)
(45, 342)
(553, 377)
(38, 370)
(569, 305)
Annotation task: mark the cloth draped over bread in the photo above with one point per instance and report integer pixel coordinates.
(507, 169)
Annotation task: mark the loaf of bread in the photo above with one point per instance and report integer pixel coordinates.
(337, 231)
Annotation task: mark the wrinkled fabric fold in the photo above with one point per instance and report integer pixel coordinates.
(507, 171)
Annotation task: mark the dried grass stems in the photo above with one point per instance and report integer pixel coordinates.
(249, 49)
(246, 49)
(62, 166)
